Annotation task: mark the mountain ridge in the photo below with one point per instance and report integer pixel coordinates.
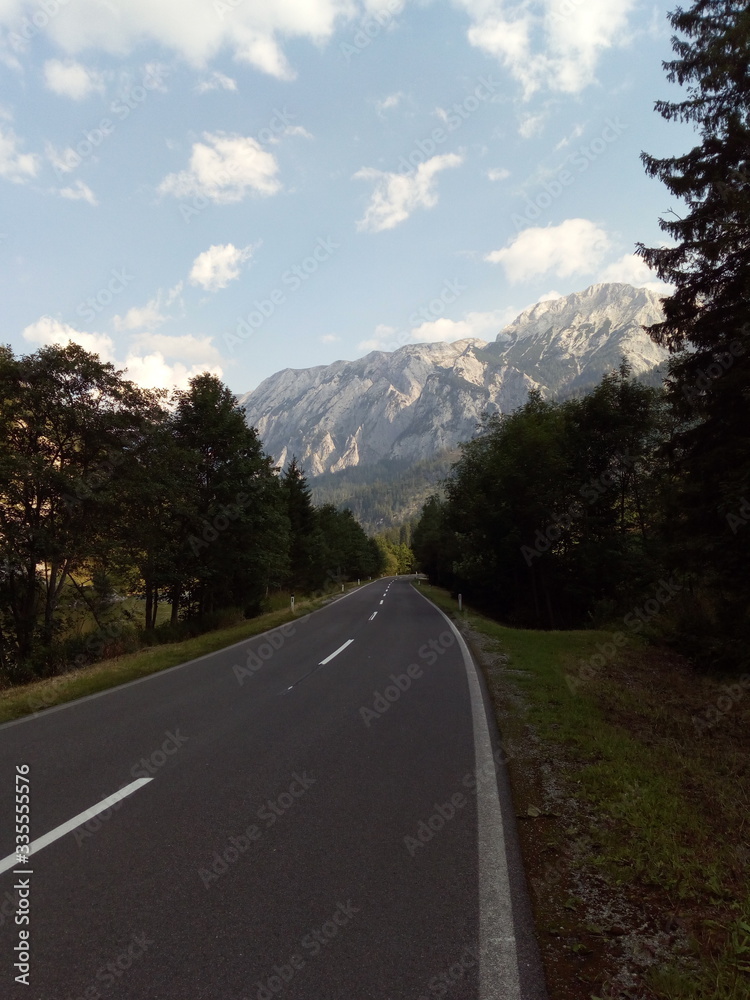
(425, 398)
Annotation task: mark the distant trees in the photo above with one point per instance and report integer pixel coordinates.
(552, 513)
(174, 499)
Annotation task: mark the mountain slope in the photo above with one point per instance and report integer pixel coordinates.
(426, 398)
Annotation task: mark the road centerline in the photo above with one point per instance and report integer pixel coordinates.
(336, 652)
(59, 831)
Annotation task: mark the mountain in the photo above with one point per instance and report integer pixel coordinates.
(387, 494)
(422, 399)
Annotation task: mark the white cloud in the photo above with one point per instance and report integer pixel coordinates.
(14, 165)
(480, 325)
(566, 140)
(151, 315)
(217, 81)
(329, 338)
(174, 293)
(197, 30)
(576, 246)
(47, 331)
(386, 339)
(153, 371)
(159, 361)
(216, 267)
(550, 296)
(498, 174)
(79, 192)
(70, 79)
(475, 325)
(297, 130)
(223, 169)
(396, 196)
(189, 355)
(138, 317)
(546, 44)
(198, 350)
(531, 125)
(63, 161)
(391, 101)
(633, 270)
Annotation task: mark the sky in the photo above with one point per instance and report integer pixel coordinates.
(242, 186)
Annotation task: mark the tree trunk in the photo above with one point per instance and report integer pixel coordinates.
(149, 602)
(175, 603)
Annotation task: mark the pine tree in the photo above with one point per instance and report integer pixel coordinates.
(707, 319)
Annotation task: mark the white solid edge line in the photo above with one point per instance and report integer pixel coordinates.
(335, 652)
(44, 712)
(499, 975)
(36, 845)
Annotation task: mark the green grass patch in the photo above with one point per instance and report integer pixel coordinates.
(669, 801)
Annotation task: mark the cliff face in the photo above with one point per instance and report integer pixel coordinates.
(424, 398)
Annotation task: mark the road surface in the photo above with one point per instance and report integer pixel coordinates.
(313, 813)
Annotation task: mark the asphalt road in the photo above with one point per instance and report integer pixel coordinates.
(313, 813)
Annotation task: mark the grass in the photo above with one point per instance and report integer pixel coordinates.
(666, 802)
(16, 702)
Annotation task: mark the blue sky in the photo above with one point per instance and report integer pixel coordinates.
(242, 186)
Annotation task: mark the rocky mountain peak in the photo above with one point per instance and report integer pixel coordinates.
(424, 398)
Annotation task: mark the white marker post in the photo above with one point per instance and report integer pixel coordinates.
(292, 604)
(459, 601)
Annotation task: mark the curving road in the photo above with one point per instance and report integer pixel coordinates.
(314, 813)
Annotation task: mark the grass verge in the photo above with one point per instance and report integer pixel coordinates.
(26, 699)
(631, 781)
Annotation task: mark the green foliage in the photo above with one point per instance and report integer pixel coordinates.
(551, 513)
(707, 319)
(386, 495)
(103, 489)
(396, 557)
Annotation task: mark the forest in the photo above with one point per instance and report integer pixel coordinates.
(129, 517)
(633, 502)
